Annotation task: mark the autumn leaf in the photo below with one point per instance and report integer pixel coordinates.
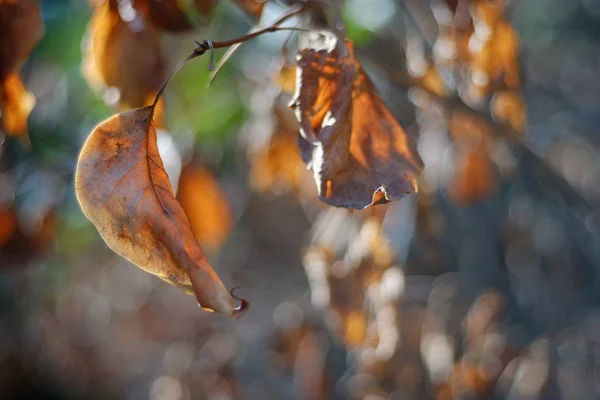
(123, 56)
(205, 205)
(252, 7)
(124, 190)
(205, 8)
(358, 152)
(15, 103)
(166, 15)
(20, 29)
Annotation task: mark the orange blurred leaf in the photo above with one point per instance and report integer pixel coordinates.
(205, 205)
(166, 15)
(358, 152)
(8, 225)
(15, 105)
(123, 189)
(205, 8)
(125, 56)
(508, 106)
(20, 29)
(253, 7)
(355, 329)
(474, 178)
(278, 166)
(286, 78)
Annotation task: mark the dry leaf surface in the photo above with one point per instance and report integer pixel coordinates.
(358, 152)
(124, 190)
(20, 29)
(166, 15)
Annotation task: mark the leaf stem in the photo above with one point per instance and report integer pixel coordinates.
(206, 45)
(177, 68)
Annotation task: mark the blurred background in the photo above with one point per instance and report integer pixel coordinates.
(485, 285)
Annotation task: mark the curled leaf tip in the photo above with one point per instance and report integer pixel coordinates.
(240, 310)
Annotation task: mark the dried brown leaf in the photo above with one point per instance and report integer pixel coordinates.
(166, 15)
(15, 105)
(20, 29)
(205, 205)
(205, 8)
(124, 190)
(358, 152)
(252, 7)
(126, 56)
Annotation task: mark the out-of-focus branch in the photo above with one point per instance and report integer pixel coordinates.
(417, 10)
(454, 103)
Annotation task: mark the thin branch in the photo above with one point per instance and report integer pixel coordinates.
(208, 45)
(422, 19)
(292, 11)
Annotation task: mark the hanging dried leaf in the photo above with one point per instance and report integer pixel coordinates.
(253, 7)
(20, 29)
(205, 205)
(15, 104)
(166, 15)
(125, 56)
(205, 8)
(124, 190)
(358, 152)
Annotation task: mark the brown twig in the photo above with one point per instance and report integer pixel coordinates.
(207, 45)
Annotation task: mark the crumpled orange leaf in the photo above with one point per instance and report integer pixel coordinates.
(20, 29)
(124, 190)
(166, 15)
(205, 205)
(358, 152)
(126, 56)
(15, 104)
